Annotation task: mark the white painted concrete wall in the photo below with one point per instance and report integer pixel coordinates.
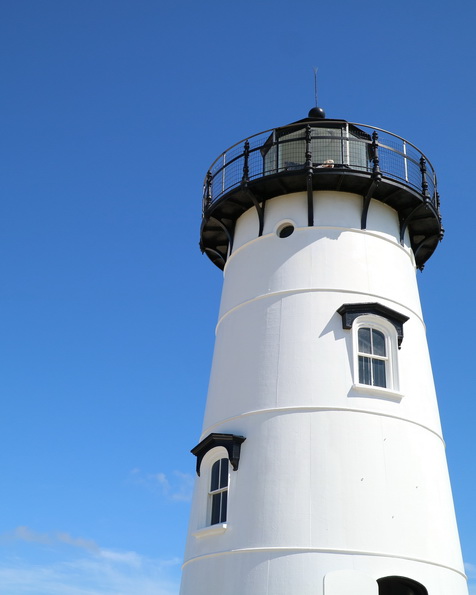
(331, 479)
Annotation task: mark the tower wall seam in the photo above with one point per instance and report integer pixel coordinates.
(302, 409)
(367, 232)
(316, 290)
(323, 551)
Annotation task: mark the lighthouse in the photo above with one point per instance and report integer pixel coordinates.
(321, 466)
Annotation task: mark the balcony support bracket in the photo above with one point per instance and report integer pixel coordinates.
(376, 177)
(259, 207)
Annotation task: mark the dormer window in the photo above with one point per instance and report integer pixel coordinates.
(377, 333)
(217, 455)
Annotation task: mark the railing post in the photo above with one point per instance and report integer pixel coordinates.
(207, 194)
(276, 144)
(424, 183)
(375, 157)
(345, 146)
(376, 178)
(246, 169)
(308, 150)
(310, 171)
(437, 200)
(405, 160)
(223, 173)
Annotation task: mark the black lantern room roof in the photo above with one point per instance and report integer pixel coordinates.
(316, 153)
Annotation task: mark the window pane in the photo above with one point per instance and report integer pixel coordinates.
(379, 372)
(224, 501)
(224, 473)
(291, 150)
(378, 343)
(364, 369)
(327, 148)
(364, 340)
(215, 476)
(215, 516)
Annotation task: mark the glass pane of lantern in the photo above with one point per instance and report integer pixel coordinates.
(326, 145)
(358, 149)
(292, 150)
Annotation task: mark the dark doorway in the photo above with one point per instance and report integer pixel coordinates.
(400, 585)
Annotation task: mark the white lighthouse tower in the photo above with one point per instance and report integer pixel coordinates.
(321, 463)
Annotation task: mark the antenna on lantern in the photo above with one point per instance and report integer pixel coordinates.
(316, 112)
(315, 84)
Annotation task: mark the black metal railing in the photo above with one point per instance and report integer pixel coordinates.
(309, 147)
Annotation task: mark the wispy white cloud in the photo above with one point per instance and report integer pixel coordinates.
(92, 570)
(28, 535)
(178, 486)
(183, 486)
(161, 480)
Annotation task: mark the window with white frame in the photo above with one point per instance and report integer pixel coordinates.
(375, 349)
(216, 455)
(377, 334)
(218, 492)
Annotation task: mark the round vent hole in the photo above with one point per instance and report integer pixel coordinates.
(285, 230)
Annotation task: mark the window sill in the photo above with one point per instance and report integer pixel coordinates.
(211, 530)
(377, 392)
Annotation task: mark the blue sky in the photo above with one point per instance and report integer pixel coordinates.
(111, 112)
